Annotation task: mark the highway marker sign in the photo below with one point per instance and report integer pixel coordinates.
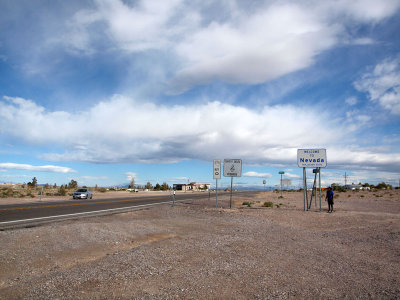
(217, 169)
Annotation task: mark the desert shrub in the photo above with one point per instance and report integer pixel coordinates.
(102, 190)
(348, 196)
(247, 203)
(61, 191)
(278, 205)
(338, 188)
(336, 196)
(362, 196)
(30, 194)
(280, 197)
(268, 204)
(6, 192)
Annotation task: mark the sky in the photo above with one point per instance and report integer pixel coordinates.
(105, 91)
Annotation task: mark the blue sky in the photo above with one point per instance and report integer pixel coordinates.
(101, 91)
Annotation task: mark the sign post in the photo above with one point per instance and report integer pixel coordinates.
(264, 182)
(281, 172)
(216, 176)
(232, 168)
(311, 158)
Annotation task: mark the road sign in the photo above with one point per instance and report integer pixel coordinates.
(311, 158)
(217, 169)
(232, 167)
(264, 181)
(281, 172)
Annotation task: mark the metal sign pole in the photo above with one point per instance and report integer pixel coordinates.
(216, 193)
(305, 187)
(230, 203)
(320, 203)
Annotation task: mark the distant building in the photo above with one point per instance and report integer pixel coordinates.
(193, 186)
(354, 187)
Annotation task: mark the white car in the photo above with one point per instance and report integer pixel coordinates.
(82, 194)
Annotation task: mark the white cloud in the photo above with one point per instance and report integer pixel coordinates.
(228, 41)
(382, 85)
(290, 175)
(255, 48)
(47, 168)
(130, 176)
(124, 130)
(256, 174)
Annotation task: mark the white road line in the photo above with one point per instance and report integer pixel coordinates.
(84, 213)
(87, 213)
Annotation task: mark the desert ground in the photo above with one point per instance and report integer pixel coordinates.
(195, 251)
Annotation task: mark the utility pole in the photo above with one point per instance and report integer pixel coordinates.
(345, 179)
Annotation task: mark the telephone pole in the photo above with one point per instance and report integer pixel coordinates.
(345, 179)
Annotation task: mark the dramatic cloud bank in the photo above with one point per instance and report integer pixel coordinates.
(124, 130)
(203, 41)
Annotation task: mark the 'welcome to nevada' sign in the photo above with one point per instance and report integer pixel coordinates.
(311, 158)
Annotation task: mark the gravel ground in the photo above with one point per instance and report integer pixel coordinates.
(193, 251)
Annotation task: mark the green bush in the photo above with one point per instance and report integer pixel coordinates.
(247, 203)
(102, 190)
(61, 191)
(268, 204)
(29, 193)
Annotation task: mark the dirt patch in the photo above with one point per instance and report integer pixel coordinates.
(194, 251)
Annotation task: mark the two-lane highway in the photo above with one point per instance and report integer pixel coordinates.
(23, 215)
(18, 215)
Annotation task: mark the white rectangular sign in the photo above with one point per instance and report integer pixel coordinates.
(217, 169)
(232, 167)
(311, 158)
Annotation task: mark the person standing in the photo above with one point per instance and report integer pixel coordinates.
(329, 198)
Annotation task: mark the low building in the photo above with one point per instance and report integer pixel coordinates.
(193, 186)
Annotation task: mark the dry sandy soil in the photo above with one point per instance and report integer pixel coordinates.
(194, 251)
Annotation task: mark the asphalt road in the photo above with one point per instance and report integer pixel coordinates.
(32, 214)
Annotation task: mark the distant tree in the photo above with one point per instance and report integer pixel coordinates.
(164, 186)
(148, 185)
(384, 186)
(157, 187)
(55, 185)
(73, 184)
(33, 183)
